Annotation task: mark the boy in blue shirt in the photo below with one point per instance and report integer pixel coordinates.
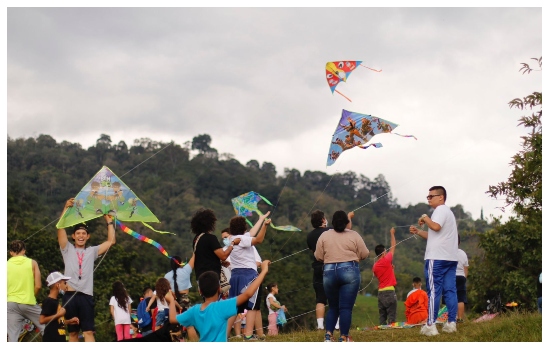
(210, 318)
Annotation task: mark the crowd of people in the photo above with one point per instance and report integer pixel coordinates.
(231, 284)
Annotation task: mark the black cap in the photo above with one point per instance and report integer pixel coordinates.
(81, 226)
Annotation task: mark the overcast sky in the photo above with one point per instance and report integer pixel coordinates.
(254, 80)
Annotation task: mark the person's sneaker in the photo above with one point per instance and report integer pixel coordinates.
(328, 338)
(344, 338)
(429, 330)
(251, 338)
(261, 337)
(449, 327)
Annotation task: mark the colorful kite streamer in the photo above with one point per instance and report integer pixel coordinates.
(142, 238)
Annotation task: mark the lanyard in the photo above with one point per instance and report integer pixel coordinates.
(80, 259)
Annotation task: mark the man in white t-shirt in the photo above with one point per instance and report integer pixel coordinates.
(441, 259)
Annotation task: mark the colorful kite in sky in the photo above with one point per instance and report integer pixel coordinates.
(355, 130)
(247, 203)
(338, 71)
(104, 194)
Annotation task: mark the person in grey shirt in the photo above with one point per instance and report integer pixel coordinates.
(79, 260)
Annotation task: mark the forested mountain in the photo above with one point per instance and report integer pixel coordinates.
(43, 173)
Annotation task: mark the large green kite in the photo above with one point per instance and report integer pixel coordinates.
(104, 194)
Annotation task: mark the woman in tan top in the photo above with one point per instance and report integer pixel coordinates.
(340, 249)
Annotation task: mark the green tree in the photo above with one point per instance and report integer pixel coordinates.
(513, 250)
(201, 143)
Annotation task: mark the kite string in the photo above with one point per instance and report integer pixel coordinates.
(371, 68)
(385, 194)
(310, 210)
(289, 255)
(308, 312)
(40, 230)
(171, 143)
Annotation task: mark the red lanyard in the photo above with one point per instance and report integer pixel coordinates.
(80, 258)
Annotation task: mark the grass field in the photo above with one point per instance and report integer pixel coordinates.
(509, 327)
(365, 312)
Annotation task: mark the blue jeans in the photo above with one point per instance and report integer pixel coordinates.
(162, 317)
(341, 282)
(441, 279)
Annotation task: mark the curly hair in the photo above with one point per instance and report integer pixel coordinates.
(121, 295)
(17, 246)
(162, 287)
(203, 221)
(317, 218)
(237, 225)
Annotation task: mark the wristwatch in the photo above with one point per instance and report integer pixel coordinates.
(111, 223)
(424, 216)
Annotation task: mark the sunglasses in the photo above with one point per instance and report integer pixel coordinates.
(432, 195)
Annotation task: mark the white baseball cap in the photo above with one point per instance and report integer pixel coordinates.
(55, 277)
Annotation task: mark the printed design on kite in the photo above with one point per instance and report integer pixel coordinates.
(247, 203)
(338, 71)
(104, 194)
(355, 130)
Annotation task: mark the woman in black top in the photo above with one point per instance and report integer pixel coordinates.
(209, 254)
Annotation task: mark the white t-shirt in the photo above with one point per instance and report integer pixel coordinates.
(227, 270)
(242, 256)
(270, 295)
(442, 244)
(160, 305)
(462, 261)
(121, 315)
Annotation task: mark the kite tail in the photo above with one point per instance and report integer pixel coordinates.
(378, 71)
(375, 145)
(150, 227)
(142, 238)
(265, 199)
(343, 95)
(405, 135)
(248, 221)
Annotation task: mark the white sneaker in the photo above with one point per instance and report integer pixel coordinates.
(429, 330)
(449, 327)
